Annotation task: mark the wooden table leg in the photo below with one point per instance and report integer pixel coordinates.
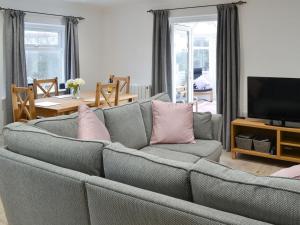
(233, 155)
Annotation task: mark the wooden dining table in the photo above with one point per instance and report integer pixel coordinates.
(65, 104)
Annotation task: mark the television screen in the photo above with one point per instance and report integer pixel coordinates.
(274, 98)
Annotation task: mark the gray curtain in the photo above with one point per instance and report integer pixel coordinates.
(228, 67)
(161, 54)
(14, 55)
(72, 69)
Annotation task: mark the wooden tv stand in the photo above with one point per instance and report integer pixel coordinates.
(287, 140)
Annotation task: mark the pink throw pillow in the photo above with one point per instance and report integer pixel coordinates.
(292, 172)
(89, 126)
(172, 123)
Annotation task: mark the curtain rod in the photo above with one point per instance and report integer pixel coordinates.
(41, 13)
(200, 6)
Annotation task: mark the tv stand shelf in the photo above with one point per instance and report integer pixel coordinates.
(286, 140)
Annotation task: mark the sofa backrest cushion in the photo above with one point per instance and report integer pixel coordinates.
(146, 108)
(269, 199)
(66, 125)
(217, 124)
(120, 204)
(146, 171)
(203, 127)
(79, 155)
(125, 125)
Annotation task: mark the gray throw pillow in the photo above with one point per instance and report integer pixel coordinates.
(203, 128)
(125, 125)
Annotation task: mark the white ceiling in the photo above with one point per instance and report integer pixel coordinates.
(107, 2)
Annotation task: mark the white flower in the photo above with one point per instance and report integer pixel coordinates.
(75, 83)
(79, 81)
(69, 83)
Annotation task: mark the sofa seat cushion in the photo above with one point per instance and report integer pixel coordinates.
(172, 155)
(270, 199)
(209, 149)
(125, 125)
(147, 171)
(80, 155)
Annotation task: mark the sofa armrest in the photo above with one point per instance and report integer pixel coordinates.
(217, 123)
(36, 192)
(274, 200)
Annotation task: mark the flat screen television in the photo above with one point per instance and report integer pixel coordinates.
(274, 98)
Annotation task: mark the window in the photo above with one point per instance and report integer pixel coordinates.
(44, 45)
(201, 53)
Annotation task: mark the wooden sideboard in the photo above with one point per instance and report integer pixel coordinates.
(286, 140)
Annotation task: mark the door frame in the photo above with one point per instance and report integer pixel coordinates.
(187, 19)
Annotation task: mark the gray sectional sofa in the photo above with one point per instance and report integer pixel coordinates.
(48, 177)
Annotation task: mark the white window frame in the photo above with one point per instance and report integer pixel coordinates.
(202, 48)
(48, 28)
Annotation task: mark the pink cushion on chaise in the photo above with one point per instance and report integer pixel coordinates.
(90, 127)
(292, 172)
(172, 123)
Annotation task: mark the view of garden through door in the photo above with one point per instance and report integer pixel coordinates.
(194, 62)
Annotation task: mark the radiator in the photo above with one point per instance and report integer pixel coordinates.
(142, 91)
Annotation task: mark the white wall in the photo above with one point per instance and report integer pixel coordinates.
(269, 41)
(128, 32)
(269, 29)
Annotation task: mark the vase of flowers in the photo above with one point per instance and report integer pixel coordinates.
(74, 86)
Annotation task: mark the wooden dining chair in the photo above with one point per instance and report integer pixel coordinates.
(124, 83)
(23, 103)
(46, 90)
(109, 92)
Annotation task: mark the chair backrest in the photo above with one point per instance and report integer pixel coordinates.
(109, 92)
(124, 83)
(46, 90)
(22, 103)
